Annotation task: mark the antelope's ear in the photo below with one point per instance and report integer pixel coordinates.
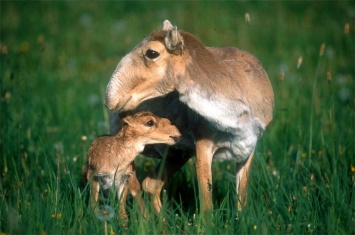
(174, 42)
(167, 25)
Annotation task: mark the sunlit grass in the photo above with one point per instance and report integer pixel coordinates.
(55, 64)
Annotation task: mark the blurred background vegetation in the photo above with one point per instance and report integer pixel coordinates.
(57, 57)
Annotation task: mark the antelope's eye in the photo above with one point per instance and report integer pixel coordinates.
(150, 123)
(151, 54)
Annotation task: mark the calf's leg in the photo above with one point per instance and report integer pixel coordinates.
(95, 189)
(242, 176)
(134, 188)
(122, 209)
(154, 183)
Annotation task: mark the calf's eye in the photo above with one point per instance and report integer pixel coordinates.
(150, 123)
(151, 54)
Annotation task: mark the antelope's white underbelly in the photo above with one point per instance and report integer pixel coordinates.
(236, 131)
(237, 146)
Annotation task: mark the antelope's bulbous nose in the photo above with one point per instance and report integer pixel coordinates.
(109, 100)
(106, 103)
(110, 103)
(112, 99)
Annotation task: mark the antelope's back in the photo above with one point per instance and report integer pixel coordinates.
(252, 79)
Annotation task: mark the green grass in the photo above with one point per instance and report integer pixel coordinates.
(57, 57)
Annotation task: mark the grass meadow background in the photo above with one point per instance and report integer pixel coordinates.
(57, 57)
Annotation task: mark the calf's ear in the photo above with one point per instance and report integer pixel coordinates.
(127, 120)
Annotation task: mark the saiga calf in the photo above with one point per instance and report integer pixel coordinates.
(110, 158)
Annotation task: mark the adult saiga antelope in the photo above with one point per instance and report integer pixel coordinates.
(220, 99)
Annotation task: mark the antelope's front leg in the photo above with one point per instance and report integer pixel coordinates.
(154, 183)
(242, 176)
(204, 155)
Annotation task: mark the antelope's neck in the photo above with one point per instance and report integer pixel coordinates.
(211, 102)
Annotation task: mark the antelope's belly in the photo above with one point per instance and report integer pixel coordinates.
(239, 144)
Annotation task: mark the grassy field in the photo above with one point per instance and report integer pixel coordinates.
(57, 57)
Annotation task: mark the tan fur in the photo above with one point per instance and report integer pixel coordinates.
(110, 158)
(220, 99)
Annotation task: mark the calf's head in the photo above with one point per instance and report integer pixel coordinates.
(145, 128)
(149, 71)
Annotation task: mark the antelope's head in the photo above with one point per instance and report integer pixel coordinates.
(149, 71)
